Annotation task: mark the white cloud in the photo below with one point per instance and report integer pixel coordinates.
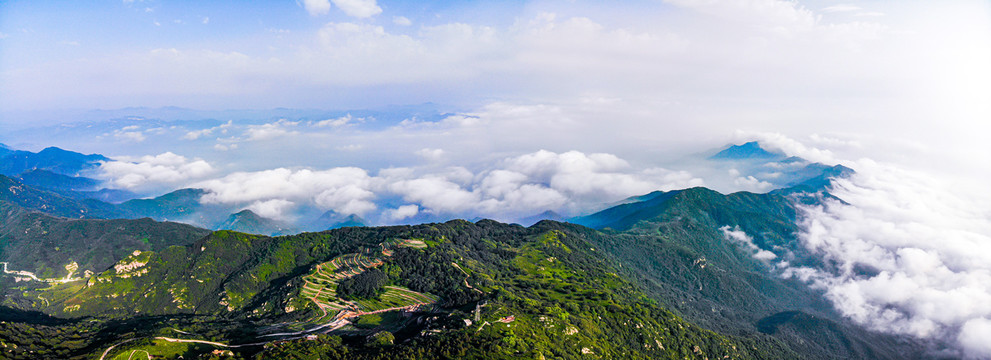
(741, 237)
(151, 172)
(349, 147)
(272, 208)
(791, 146)
(402, 212)
(436, 194)
(841, 8)
(345, 190)
(430, 154)
(401, 21)
(974, 337)
(835, 141)
(338, 122)
(206, 20)
(780, 18)
(750, 183)
(129, 134)
(358, 8)
(196, 134)
(930, 248)
(317, 7)
(596, 177)
(869, 14)
(269, 131)
(569, 183)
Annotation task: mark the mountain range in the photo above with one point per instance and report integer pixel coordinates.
(661, 275)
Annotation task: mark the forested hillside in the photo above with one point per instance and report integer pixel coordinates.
(45, 245)
(540, 291)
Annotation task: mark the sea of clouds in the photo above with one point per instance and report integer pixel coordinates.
(569, 183)
(927, 244)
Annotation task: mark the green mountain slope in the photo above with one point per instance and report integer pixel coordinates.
(540, 292)
(676, 246)
(44, 245)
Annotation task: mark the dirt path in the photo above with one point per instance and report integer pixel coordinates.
(148, 355)
(105, 352)
(34, 277)
(214, 343)
(466, 278)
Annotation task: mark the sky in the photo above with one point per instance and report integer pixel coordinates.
(909, 78)
(401, 110)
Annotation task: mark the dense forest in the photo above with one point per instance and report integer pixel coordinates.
(542, 291)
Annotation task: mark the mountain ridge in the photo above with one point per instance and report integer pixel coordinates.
(247, 221)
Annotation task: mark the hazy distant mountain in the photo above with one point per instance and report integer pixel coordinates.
(76, 187)
(53, 203)
(334, 220)
(4, 150)
(55, 181)
(178, 204)
(546, 215)
(247, 221)
(748, 151)
(113, 196)
(52, 159)
(818, 183)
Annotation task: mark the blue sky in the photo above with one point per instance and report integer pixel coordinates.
(235, 54)
(648, 81)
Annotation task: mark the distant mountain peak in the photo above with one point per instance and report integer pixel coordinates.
(248, 221)
(51, 158)
(246, 213)
(747, 151)
(333, 220)
(546, 215)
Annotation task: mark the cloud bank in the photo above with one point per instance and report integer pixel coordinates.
(569, 183)
(910, 254)
(157, 172)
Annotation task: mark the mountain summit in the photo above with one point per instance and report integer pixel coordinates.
(52, 159)
(247, 221)
(749, 151)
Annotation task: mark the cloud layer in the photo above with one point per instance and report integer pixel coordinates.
(156, 172)
(515, 187)
(909, 255)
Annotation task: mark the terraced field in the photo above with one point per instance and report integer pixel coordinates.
(396, 297)
(320, 285)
